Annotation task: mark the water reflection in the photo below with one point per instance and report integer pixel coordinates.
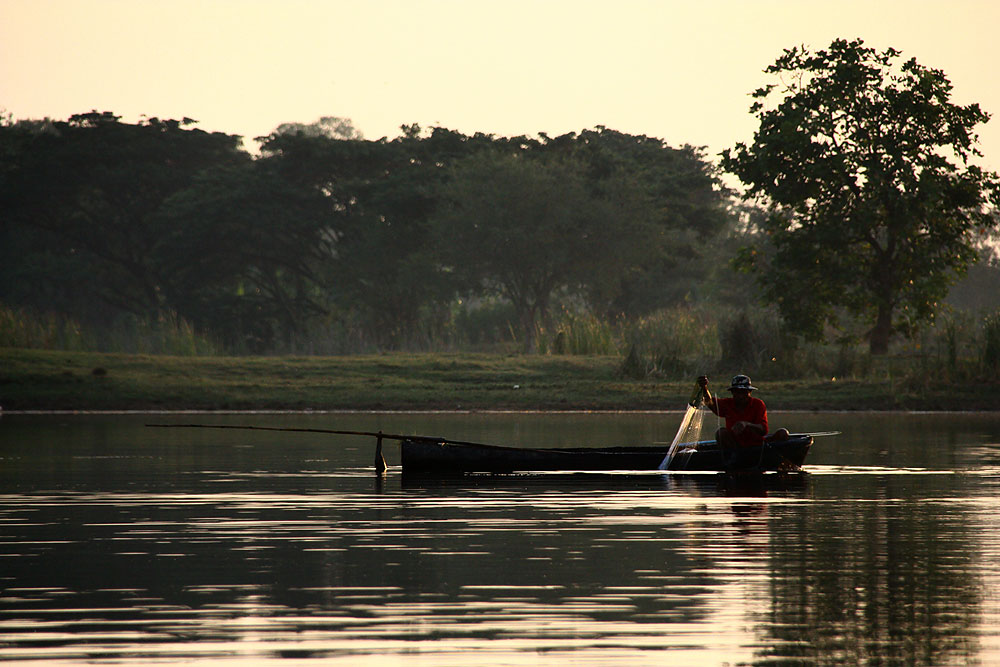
(887, 577)
(254, 549)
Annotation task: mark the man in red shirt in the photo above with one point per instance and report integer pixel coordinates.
(746, 416)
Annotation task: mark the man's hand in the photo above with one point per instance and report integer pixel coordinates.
(739, 427)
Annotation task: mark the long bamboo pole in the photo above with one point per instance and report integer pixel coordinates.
(379, 435)
(380, 466)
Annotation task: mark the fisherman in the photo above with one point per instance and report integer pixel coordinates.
(746, 416)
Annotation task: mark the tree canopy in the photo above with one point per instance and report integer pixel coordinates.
(527, 228)
(377, 240)
(866, 166)
(86, 192)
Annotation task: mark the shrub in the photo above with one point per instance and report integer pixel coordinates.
(485, 323)
(751, 343)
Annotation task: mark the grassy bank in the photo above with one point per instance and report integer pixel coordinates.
(60, 380)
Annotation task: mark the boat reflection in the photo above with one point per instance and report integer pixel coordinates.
(713, 484)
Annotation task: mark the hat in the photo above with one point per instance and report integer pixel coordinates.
(741, 382)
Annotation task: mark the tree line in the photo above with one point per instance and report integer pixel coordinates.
(103, 217)
(862, 209)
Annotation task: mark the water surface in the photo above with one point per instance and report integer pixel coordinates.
(125, 544)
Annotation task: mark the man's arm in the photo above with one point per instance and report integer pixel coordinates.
(739, 427)
(709, 399)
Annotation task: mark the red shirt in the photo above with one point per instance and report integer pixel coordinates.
(755, 412)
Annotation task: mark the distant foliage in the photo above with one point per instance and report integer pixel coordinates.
(325, 241)
(160, 238)
(486, 324)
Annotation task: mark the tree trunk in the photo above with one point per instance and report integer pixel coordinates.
(526, 313)
(542, 311)
(878, 340)
(530, 337)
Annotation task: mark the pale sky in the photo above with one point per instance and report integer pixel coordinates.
(677, 70)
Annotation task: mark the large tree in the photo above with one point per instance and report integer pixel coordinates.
(248, 254)
(380, 194)
(689, 209)
(866, 165)
(84, 196)
(526, 226)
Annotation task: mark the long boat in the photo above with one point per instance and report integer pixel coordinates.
(436, 456)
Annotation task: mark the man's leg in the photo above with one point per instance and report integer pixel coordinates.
(778, 436)
(726, 439)
(728, 446)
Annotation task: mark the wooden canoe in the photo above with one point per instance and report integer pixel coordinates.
(432, 456)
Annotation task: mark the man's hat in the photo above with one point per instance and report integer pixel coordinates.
(741, 382)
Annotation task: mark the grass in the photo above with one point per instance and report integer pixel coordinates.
(67, 380)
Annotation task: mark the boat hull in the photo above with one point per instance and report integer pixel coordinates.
(429, 456)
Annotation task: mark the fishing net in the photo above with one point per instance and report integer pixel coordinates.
(689, 432)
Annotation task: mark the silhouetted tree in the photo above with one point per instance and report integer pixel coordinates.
(380, 195)
(84, 194)
(690, 213)
(331, 127)
(249, 254)
(864, 162)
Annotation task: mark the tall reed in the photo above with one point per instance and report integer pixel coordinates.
(673, 342)
(20, 327)
(580, 334)
(166, 334)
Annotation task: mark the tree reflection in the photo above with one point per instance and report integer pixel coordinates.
(887, 576)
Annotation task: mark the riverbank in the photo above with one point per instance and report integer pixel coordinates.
(58, 380)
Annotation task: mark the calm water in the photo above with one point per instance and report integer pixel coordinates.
(125, 544)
